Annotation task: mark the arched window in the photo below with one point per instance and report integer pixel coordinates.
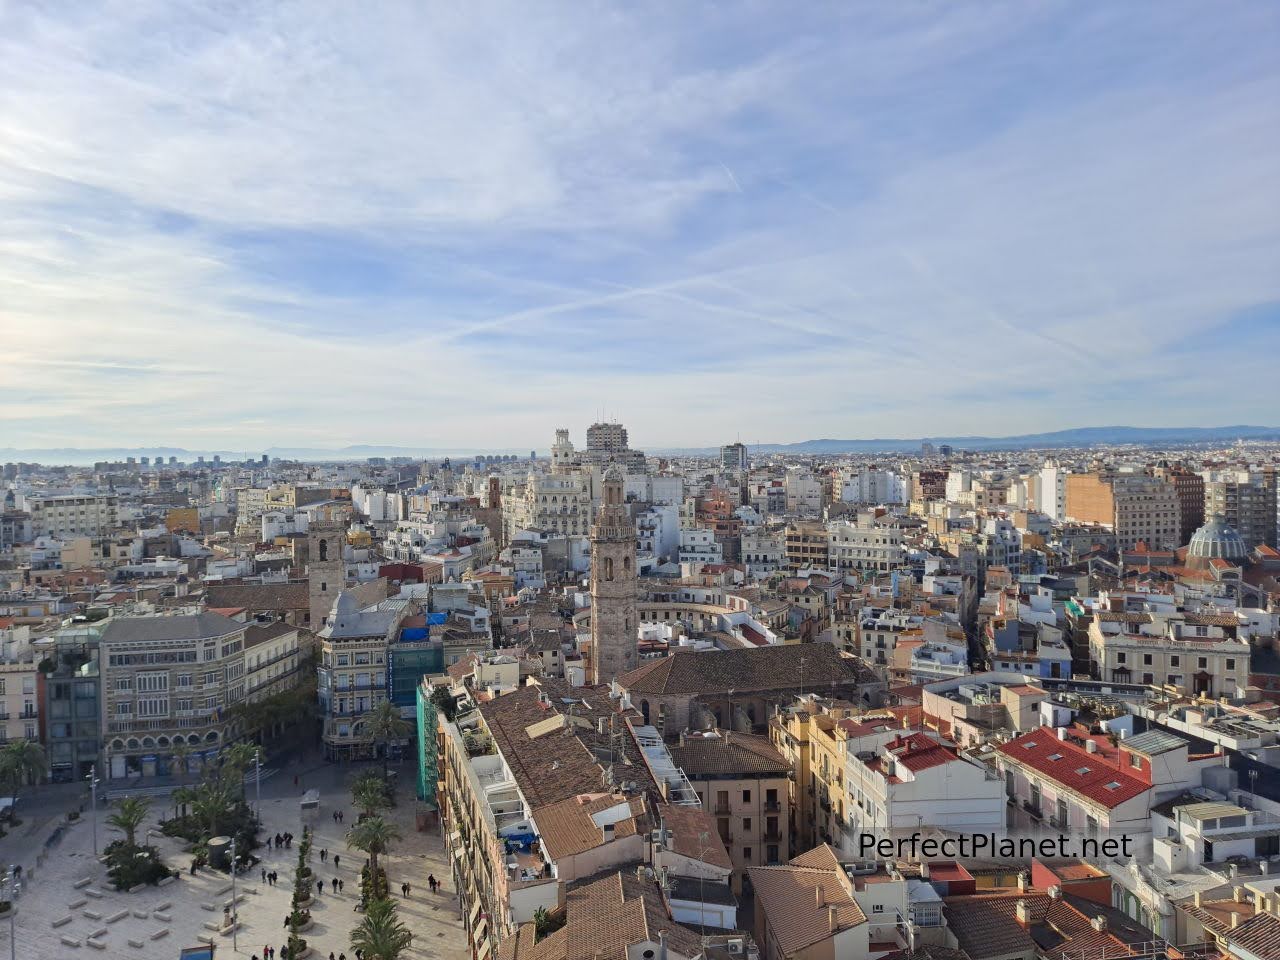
(608, 568)
(626, 564)
(324, 550)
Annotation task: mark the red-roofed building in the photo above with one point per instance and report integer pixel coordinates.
(1072, 780)
(916, 779)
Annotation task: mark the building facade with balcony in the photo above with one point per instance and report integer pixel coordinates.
(71, 679)
(167, 679)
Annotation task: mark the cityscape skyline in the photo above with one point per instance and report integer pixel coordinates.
(878, 221)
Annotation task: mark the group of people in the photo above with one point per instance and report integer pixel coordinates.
(270, 953)
(280, 840)
(324, 855)
(336, 884)
(269, 877)
(339, 816)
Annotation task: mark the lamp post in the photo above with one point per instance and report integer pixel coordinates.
(235, 948)
(11, 882)
(93, 806)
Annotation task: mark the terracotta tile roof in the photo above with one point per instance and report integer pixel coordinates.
(745, 670)
(257, 596)
(567, 829)
(787, 896)
(1102, 780)
(729, 754)
(606, 915)
(685, 827)
(986, 925)
(1260, 934)
(821, 857)
(919, 751)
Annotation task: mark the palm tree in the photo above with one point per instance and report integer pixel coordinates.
(236, 759)
(181, 798)
(129, 816)
(213, 803)
(373, 836)
(381, 935)
(180, 755)
(20, 761)
(369, 793)
(386, 726)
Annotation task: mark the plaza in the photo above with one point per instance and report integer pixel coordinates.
(67, 907)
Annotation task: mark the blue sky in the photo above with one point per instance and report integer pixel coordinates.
(462, 225)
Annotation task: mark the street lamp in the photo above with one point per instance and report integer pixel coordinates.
(11, 881)
(93, 806)
(235, 948)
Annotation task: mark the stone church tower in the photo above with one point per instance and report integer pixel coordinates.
(614, 647)
(326, 570)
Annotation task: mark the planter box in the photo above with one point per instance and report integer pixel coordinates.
(96, 944)
(69, 941)
(172, 878)
(61, 921)
(162, 932)
(137, 886)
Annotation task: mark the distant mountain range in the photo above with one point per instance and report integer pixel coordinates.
(1080, 437)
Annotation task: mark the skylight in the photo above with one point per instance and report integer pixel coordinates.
(1055, 756)
(1028, 745)
(1082, 771)
(1113, 785)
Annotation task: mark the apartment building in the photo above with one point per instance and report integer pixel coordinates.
(351, 675)
(1188, 487)
(807, 546)
(273, 659)
(72, 700)
(865, 546)
(1139, 509)
(19, 691)
(1197, 653)
(72, 515)
(763, 552)
(1079, 782)
(741, 780)
(558, 503)
(1247, 501)
(699, 545)
(169, 678)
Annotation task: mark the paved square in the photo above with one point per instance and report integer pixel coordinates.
(155, 923)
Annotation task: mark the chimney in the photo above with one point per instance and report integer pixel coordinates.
(1099, 923)
(833, 919)
(1022, 883)
(1091, 746)
(1264, 866)
(1260, 903)
(1235, 919)
(1055, 892)
(1062, 733)
(819, 900)
(1022, 913)
(1238, 894)
(1199, 898)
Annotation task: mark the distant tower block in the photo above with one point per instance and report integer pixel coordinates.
(326, 570)
(614, 647)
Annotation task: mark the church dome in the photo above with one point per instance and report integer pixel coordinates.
(1217, 540)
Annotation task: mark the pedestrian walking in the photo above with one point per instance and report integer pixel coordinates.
(286, 921)
(336, 858)
(331, 956)
(404, 890)
(342, 885)
(341, 816)
(431, 882)
(319, 886)
(278, 839)
(335, 885)
(324, 854)
(264, 874)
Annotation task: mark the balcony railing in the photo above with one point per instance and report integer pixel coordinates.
(773, 806)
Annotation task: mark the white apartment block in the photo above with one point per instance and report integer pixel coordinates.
(699, 545)
(865, 545)
(1198, 653)
(872, 485)
(72, 516)
(763, 551)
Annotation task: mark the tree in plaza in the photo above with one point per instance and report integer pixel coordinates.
(213, 803)
(386, 726)
(180, 754)
(369, 793)
(20, 761)
(236, 759)
(129, 816)
(373, 836)
(381, 935)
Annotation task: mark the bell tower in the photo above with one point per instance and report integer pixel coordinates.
(614, 647)
(326, 570)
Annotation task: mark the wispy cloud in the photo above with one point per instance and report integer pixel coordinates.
(450, 225)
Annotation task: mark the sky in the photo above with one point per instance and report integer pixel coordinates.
(243, 224)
